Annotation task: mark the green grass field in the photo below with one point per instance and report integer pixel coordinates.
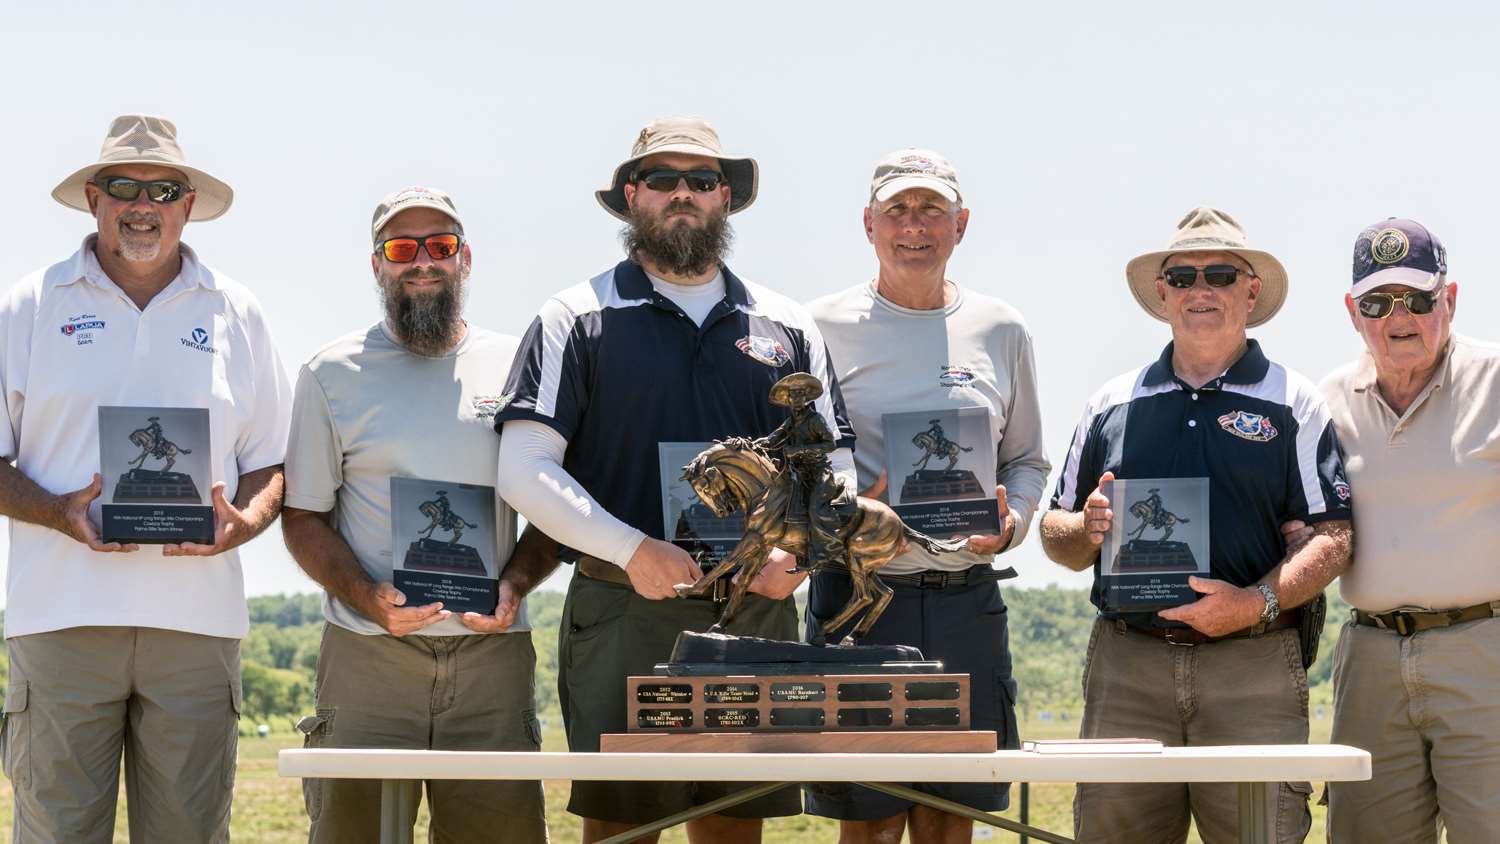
(268, 809)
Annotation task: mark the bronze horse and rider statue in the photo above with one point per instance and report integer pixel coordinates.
(792, 501)
(935, 443)
(1155, 516)
(154, 444)
(443, 518)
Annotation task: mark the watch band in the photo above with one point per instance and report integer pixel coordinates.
(1273, 606)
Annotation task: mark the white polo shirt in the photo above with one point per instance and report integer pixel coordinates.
(70, 341)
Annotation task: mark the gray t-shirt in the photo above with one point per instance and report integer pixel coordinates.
(975, 352)
(367, 409)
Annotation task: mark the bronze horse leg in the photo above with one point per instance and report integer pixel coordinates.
(751, 556)
(882, 595)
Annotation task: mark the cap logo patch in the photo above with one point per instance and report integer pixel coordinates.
(763, 350)
(915, 164)
(1248, 426)
(1389, 246)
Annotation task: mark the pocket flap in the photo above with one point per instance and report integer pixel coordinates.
(309, 724)
(15, 701)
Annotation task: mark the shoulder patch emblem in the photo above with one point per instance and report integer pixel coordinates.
(1248, 426)
(763, 350)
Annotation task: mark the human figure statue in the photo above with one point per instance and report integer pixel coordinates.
(153, 443)
(1153, 515)
(935, 443)
(803, 441)
(442, 516)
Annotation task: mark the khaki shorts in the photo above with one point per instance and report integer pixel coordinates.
(1427, 708)
(1238, 691)
(608, 633)
(426, 693)
(79, 698)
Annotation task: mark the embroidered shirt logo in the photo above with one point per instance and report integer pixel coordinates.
(1248, 426)
(485, 407)
(763, 350)
(955, 376)
(199, 341)
(81, 326)
(1341, 489)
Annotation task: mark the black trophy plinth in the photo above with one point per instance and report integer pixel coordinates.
(697, 654)
(450, 557)
(1144, 555)
(940, 485)
(147, 486)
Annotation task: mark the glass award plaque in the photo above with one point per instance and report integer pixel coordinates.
(157, 478)
(444, 543)
(687, 521)
(1158, 538)
(940, 465)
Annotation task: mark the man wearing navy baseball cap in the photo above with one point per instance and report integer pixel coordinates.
(1417, 670)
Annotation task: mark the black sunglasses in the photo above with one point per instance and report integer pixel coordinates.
(1216, 275)
(665, 179)
(157, 190)
(1380, 305)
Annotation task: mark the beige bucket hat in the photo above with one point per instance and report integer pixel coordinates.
(146, 139)
(1207, 229)
(691, 135)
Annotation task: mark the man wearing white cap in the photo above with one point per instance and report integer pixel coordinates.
(1417, 669)
(116, 647)
(667, 347)
(413, 397)
(913, 341)
(1230, 667)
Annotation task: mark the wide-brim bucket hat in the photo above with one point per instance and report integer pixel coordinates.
(1207, 229)
(146, 139)
(692, 136)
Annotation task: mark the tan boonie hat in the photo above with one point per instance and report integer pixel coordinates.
(1207, 229)
(796, 389)
(690, 135)
(145, 139)
(910, 168)
(406, 199)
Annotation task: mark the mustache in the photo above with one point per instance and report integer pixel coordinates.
(140, 218)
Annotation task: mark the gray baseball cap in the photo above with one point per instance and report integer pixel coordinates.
(910, 168)
(406, 199)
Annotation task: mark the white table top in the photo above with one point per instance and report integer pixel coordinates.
(1247, 763)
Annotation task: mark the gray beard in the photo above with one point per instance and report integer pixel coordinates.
(679, 248)
(426, 324)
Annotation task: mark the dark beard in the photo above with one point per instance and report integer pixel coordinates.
(425, 324)
(679, 248)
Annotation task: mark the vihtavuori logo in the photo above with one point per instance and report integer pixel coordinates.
(199, 342)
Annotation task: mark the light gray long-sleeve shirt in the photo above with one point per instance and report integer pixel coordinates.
(976, 352)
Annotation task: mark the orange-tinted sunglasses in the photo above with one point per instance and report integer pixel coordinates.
(403, 250)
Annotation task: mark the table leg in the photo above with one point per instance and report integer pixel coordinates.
(1253, 813)
(699, 811)
(396, 817)
(963, 811)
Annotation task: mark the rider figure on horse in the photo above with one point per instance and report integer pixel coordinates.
(804, 441)
(157, 439)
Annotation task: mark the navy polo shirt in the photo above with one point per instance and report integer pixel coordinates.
(1260, 433)
(616, 368)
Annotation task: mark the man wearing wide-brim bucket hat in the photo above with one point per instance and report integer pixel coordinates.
(119, 647)
(1211, 406)
(669, 347)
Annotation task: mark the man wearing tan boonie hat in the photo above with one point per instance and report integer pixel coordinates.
(667, 348)
(1228, 666)
(117, 648)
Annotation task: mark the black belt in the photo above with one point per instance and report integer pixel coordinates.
(1189, 636)
(610, 573)
(1406, 623)
(940, 579)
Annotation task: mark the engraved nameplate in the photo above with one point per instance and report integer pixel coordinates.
(860, 692)
(723, 719)
(663, 693)
(872, 717)
(932, 691)
(797, 693)
(731, 693)
(796, 717)
(938, 716)
(665, 718)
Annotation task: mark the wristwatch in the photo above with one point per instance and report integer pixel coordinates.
(1273, 606)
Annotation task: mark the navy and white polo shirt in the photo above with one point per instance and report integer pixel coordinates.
(616, 368)
(1260, 433)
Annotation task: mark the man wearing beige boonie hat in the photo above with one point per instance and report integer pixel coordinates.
(667, 348)
(117, 648)
(1228, 667)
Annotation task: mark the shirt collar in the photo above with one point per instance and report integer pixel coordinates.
(84, 266)
(632, 282)
(1251, 368)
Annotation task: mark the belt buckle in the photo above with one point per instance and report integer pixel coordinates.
(1170, 635)
(933, 580)
(1403, 623)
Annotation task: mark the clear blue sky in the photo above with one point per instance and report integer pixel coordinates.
(1081, 133)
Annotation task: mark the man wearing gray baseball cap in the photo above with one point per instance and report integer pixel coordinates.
(410, 400)
(1417, 670)
(118, 650)
(913, 341)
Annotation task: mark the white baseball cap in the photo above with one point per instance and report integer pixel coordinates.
(910, 168)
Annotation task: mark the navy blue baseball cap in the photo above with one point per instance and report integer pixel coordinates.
(1397, 251)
